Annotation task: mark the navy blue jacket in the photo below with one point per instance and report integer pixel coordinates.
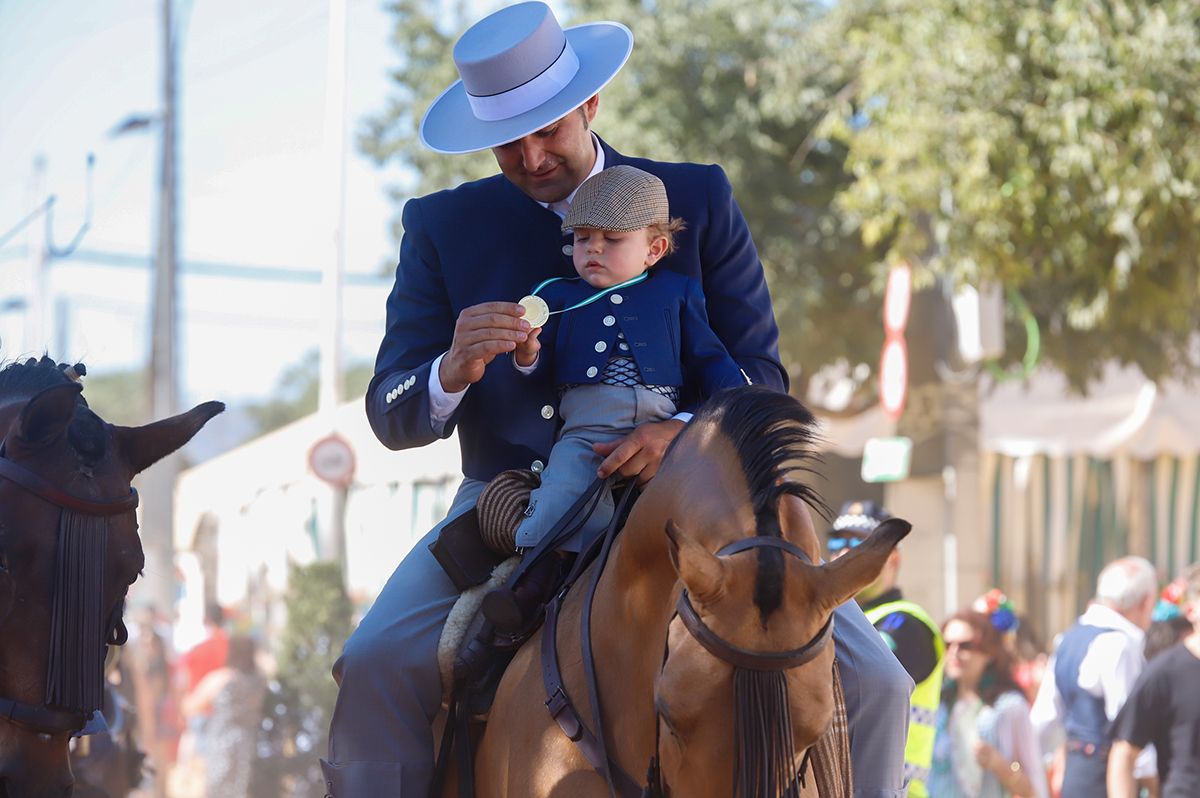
(666, 334)
(486, 241)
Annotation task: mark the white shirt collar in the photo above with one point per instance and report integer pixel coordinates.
(563, 205)
(1108, 618)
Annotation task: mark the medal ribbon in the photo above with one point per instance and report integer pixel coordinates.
(631, 281)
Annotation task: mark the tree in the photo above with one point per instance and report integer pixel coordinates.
(295, 395)
(740, 82)
(1046, 144)
(300, 705)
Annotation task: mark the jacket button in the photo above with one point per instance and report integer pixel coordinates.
(609, 321)
(616, 299)
(568, 249)
(547, 411)
(592, 371)
(537, 466)
(601, 346)
(624, 347)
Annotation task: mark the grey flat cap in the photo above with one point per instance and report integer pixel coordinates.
(619, 198)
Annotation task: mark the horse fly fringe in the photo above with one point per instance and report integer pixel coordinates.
(765, 756)
(75, 673)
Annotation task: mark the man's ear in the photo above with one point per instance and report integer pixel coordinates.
(590, 107)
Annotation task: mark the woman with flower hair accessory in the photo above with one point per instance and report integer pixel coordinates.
(999, 609)
(985, 745)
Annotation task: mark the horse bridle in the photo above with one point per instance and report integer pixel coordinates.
(44, 718)
(592, 745)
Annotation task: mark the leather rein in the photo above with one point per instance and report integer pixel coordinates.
(43, 718)
(592, 745)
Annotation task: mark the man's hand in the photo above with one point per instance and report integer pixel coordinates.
(639, 453)
(481, 332)
(526, 352)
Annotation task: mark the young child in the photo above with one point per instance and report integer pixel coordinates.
(623, 341)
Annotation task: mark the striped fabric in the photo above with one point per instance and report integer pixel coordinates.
(830, 759)
(1056, 521)
(501, 508)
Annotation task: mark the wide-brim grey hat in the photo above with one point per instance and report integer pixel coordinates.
(621, 197)
(519, 72)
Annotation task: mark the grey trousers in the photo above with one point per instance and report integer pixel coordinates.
(381, 738)
(590, 414)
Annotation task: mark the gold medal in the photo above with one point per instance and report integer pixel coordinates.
(537, 312)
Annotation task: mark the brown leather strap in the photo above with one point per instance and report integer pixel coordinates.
(558, 703)
(42, 488)
(763, 541)
(740, 657)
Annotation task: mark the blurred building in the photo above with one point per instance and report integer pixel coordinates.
(243, 517)
(1066, 483)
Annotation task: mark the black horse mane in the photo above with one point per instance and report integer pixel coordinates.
(27, 377)
(774, 436)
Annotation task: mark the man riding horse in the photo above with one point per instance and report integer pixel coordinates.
(529, 92)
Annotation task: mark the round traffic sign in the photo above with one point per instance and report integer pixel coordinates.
(897, 299)
(332, 460)
(893, 378)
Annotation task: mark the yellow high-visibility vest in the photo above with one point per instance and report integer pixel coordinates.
(918, 751)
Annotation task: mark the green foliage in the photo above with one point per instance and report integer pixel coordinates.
(295, 396)
(1047, 144)
(300, 706)
(743, 84)
(119, 397)
(318, 624)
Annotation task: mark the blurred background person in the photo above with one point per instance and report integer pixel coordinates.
(1029, 654)
(1163, 710)
(1169, 624)
(1092, 671)
(156, 701)
(907, 629)
(231, 699)
(210, 654)
(985, 746)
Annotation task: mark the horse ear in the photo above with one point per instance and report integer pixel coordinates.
(843, 578)
(146, 445)
(702, 572)
(45, 417)
(797, 525)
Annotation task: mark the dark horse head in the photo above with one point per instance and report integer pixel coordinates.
(69, 550)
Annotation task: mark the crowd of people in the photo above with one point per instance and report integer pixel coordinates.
(1112, 711)
(198, 712)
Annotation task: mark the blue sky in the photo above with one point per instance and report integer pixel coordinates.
(252, 80)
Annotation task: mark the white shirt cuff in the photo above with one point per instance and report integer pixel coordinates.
(530, 368)
(684, 417)
(441, 404)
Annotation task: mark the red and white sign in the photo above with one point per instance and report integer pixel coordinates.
(893, 377)
(332, 460)
(897, 299)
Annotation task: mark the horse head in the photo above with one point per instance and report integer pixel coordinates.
(745, 684)
(69, 550)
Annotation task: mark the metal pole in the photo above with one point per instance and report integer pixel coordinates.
(159, 481)
(333, 544)
(38, 249)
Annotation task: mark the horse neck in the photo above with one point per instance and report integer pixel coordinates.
(630, 615)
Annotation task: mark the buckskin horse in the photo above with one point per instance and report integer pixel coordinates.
(69, 550)
(706, 645)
